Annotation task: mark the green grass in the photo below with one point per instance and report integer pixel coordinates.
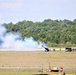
(22, 72)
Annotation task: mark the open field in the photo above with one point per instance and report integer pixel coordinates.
(24, 62)
(15, 72)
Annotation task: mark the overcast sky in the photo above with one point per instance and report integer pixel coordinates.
(36, 10)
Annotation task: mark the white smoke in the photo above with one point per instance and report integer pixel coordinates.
(2, 30)
(14, 41)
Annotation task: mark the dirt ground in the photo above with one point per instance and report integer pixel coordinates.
(38, 60)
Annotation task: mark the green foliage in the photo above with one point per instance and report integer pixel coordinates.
(52, 32)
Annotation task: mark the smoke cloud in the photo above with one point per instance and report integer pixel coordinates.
(14, 41)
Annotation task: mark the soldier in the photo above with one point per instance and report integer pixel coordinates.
(61, 69)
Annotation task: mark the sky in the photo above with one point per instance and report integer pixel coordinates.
(36, 10)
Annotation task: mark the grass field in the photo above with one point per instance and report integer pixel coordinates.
(24, 63)
(22, 72)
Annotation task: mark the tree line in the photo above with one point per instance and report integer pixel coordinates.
(55, 33)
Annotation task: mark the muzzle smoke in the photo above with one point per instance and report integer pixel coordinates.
(14, 41)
